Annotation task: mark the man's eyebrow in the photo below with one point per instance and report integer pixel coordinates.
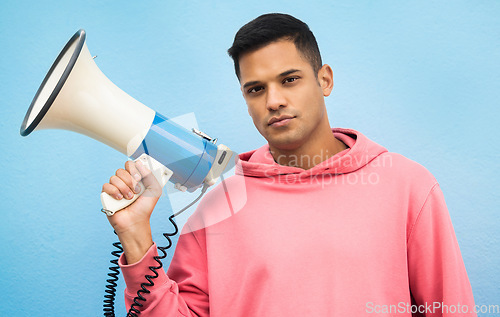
(288, 72)
(283, 74)
(250, 83)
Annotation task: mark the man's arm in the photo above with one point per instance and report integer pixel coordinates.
(186, 296)
(437, 274)
(132, 225)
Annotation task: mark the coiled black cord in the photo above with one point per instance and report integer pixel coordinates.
(133, 311)
(109, 297)
(109, 306)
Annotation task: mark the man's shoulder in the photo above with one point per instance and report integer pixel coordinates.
(398, 165)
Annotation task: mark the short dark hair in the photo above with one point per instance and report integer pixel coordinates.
(272, 27)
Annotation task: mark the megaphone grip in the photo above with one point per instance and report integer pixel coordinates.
(162, 174)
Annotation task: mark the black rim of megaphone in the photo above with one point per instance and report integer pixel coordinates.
(80, 38)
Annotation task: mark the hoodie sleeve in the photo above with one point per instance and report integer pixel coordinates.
(184, 292)
(438, 279)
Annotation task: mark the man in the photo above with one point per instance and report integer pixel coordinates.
(333, 224)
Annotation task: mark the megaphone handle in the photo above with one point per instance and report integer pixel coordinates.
(162, 174)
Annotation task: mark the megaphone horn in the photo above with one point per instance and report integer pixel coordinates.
(75, 95)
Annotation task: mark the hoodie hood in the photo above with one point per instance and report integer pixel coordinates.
(360, 151)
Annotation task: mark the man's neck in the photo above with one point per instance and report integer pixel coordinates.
(309, 155)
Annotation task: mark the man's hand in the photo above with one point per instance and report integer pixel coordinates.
(131, 224)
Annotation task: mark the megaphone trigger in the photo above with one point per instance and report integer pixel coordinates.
(162, 174)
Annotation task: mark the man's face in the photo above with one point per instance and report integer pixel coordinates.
(284, 95)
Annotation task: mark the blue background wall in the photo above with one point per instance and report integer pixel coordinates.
(419, 77)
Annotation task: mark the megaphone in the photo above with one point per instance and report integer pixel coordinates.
(75, 95)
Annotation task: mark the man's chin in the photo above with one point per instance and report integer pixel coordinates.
(284, 143)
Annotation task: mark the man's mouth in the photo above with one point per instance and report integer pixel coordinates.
(280, 121)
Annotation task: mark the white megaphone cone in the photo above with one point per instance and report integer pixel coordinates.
(75, 95)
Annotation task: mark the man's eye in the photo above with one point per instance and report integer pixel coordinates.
(290, 80)
(254, 90)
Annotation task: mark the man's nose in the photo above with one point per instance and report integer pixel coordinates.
(275, 99)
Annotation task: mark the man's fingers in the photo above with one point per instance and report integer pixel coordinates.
(112, 191)
(128, 179)
(122, 187)
(132, 169)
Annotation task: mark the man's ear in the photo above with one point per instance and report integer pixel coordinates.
(325, 79)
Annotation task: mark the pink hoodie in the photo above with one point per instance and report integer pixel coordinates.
(364, 233)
